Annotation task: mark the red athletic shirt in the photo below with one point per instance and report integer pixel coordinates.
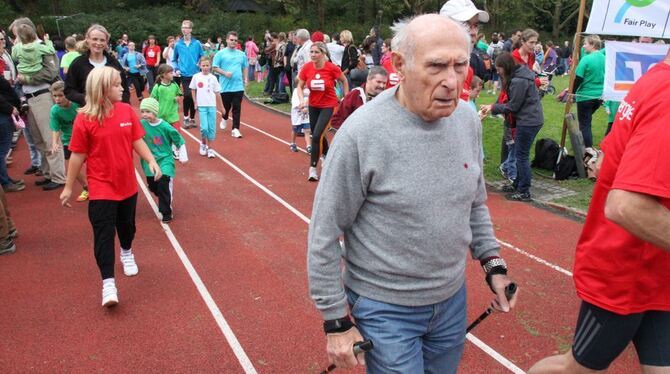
(110, 171)
(531, 62)
(321, 84)
(393, 78)
(151, 55)
(614, 269)
(465, 94)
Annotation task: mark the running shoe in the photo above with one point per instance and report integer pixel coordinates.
(166, 219)
(519, 196)
(7, 246)
(223, 124)
(83, 196)
(110, 295)
(210, 153)
(313, 175)
(187, 123)
(293, 147)
(129, 265)
(203, 150)
(236, 133)
(13, 233)
(508, 188)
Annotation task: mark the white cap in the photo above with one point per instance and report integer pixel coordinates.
(463, 11)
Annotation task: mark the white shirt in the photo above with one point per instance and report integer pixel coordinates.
(336, 52)
(206, 88)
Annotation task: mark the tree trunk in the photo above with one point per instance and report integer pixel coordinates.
(556, 20)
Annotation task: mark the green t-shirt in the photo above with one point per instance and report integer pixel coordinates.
(62, 120)
(591, 69)
(67, 59)
(160, 138)
(482, 46)
(168, 108)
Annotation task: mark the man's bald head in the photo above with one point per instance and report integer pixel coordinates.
(410, 32)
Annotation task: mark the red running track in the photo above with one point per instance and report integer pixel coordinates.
(248, 249)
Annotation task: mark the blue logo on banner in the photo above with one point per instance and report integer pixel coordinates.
(629, 67)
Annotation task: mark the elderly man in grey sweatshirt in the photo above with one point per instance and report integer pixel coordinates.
(403, 183)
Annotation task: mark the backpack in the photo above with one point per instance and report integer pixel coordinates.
(566, 168)
(278, 98)
(546, 154)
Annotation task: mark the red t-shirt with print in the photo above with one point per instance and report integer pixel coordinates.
(110, 170)
(321, 84)
(151, 54)
(614, 269)
(393, 78)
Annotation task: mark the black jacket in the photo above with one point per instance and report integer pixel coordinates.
(75, 81)
(349, 58)
(477, 65)
(524, 99)
(8, 99)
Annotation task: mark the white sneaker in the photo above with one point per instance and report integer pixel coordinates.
(129, 266)
(313, 175)
(223, 124)
(203, 149)
(210, 153)
(110, 296)
(236, 133)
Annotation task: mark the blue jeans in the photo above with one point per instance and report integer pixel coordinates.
(509, 165)
(35, 155)
(6, 129)
(412, 339)
(525, 136)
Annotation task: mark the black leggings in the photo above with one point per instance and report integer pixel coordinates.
(110, 218)
(234, 100)
(138, 82)
(319, 118)
(189, 105)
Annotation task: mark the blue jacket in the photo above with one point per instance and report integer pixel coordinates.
(186, 58)
(140, 60)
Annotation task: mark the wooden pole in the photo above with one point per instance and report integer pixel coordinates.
(576, 48)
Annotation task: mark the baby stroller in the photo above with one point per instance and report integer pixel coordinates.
(547, 88)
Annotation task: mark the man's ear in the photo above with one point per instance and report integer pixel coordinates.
(399, 63)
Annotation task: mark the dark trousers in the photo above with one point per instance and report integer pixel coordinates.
(318, 122)
(162, 188)
(234, 100)
(6, 129)
(273, 80)
(525, 136)
(151, 77)
(108, 218)
(585, 110)
(138, 82)
(189, 105)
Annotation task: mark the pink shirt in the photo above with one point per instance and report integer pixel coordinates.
(251, 49)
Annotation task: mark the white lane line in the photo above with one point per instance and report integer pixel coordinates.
(508, 245)
(532, 256)
(202, 289)
(254, 182)
(488, 350)
(491, 352)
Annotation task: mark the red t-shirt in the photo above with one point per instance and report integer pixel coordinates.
(465, 94)
(321, 84)
(110, 170)
(614, 269)
(151, 54)
(394, 78)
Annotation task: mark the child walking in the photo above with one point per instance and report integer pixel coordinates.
(167, 92)
(300, 120)
(29, 54)
(206, 88)
(63, 114)
(105, 133)
(160, 137)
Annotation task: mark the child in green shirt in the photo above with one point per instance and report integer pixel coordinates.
(166, 91)
(29, 53)
(62, 118)
(160, 137)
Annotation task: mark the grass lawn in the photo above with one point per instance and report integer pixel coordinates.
(553, 124)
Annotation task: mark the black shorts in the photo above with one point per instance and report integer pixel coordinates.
(601, 336)
(66, 152)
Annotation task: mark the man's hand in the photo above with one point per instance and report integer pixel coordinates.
(500, 303)
(340, 348)
(55, 147)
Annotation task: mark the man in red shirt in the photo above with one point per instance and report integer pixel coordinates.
(356, 98)
(623, 255)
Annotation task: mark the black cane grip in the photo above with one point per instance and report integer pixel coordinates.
(364, 346)
(510, 290)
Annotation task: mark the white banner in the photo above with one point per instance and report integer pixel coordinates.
(630, 17)
(625, 63)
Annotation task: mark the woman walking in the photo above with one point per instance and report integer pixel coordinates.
(136, 67)
(319, 76)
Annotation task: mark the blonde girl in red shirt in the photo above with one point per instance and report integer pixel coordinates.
(104, 135)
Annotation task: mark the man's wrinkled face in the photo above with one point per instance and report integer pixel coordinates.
(434, 81)
(375, 85)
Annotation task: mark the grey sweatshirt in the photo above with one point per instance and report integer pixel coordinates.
(409, 198)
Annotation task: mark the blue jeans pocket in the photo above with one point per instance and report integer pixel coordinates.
(353, 299)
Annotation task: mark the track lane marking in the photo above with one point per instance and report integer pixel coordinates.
(242, 357)
(505, 244)
(477, 342)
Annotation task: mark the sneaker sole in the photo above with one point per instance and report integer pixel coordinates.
(110, 303)
(130, 274)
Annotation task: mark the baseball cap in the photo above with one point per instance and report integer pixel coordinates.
(463, 11)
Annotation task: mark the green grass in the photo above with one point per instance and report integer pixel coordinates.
(492, 127)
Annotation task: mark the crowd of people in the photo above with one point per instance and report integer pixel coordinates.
(401, 219)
